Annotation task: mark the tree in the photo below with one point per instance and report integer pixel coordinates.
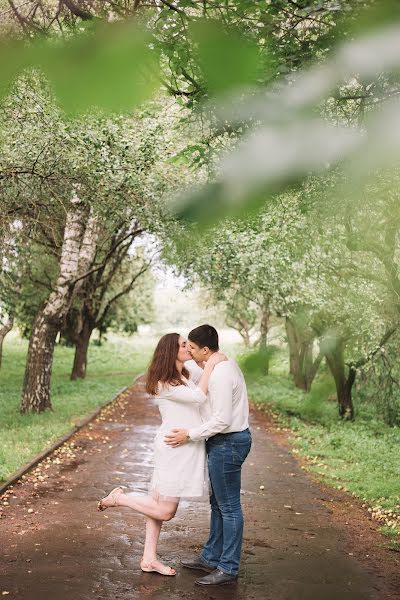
(303, 361)
(103, 294)
(46, 160)
(77, 253)
(240, 314)
(248, 265)
(293, 259)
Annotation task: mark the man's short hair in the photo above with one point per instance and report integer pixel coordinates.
(205, 335)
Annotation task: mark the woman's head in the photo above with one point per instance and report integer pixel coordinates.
(170, 353)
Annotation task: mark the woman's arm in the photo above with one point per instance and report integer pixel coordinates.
(214, 359)
(183, 393)
(198, 395)
(178, 436)
(195, 371)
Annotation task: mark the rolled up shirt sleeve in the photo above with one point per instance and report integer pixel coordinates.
(220, 389)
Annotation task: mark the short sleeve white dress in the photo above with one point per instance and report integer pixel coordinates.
(179, 472)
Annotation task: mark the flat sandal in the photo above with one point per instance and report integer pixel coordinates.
(150, 568)
(112, 494)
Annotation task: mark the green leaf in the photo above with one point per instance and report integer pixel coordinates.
(228, 61)
(110, 66)
(113, 69)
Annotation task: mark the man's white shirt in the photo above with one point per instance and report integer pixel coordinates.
(227, 408)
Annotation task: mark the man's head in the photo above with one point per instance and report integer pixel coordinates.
(203, 341)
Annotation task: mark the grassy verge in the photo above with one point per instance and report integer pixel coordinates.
(360, 457)
(111, 367)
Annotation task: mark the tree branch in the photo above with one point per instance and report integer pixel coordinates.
(76, 10)
(363, 361)
(124, 291)
(95, 269)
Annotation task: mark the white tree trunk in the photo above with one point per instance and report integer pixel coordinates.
(77, 253)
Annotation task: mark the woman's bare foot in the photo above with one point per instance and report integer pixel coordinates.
(156, 566)
(111, 499)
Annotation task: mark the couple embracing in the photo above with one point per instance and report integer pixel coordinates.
(201, 445)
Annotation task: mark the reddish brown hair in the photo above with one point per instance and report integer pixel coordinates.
(163, 364)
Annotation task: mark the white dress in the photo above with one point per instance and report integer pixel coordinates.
(179, 472)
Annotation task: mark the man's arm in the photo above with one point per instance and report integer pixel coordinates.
(220, 389)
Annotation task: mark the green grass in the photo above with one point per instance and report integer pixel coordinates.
(111, 367)
(392, 535)
(361, 457)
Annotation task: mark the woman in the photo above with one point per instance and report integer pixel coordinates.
(178, 472)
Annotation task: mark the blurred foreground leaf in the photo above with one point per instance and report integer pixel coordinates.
(288, 142)
(111, 67)
(229, 61)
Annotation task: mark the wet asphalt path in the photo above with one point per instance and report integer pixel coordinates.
(56, 545)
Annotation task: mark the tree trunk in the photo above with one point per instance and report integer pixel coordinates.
(312, 369)
(3, 332)
(302, 365)
(295, 351)
(244, 334)
(77, 253)
(36, 389)
(246, 339)
(242, 327)
(89, 310)
(264, 327)
(334, 354)
(81, 350)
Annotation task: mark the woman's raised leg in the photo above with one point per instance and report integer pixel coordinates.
(161, 510)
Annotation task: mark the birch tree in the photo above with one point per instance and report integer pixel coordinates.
(104, 163)
(78, 250)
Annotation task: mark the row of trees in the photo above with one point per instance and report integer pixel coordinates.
(80, 203)
(330, 276)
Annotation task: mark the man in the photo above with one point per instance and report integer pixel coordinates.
(228, 443)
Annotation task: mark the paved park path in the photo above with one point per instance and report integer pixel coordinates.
(55, 545)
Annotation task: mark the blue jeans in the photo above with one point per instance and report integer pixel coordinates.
(226, 454)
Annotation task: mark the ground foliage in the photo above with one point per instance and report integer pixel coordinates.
(359, 457)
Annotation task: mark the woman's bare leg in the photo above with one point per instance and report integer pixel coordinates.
(160, 510)
(153, 529)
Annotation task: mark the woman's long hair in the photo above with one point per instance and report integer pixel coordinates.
(163, 364)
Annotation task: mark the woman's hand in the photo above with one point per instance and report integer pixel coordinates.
(216, 358)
